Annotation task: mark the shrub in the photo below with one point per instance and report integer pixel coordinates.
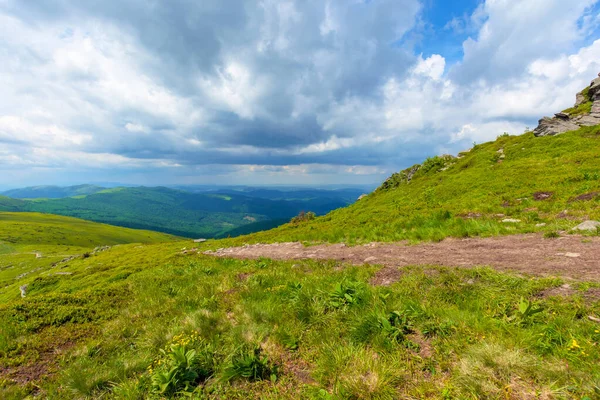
(303, 217)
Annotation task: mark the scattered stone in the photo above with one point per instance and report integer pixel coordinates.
(23, 290)
(563, 214)
(362, 196)
(470, 215)
(100, 249)
(199, 240)
(539, 196)
(590, 226)
(540, 225)
(511, 220)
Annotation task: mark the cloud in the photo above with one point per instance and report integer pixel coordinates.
(247, 87)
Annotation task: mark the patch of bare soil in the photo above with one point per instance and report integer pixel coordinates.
(386, 276)
(561, 291)
(586, 197)
(568, 256)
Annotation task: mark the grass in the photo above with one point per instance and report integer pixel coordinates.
(470, 196)
(31, 243)
(150, 322)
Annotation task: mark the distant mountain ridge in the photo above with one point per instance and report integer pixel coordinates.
(205, 214)
(52, 192)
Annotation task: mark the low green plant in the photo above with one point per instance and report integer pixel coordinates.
(345, 294)
(552, 235)
(249, 365)
(525, 311)
(181, 368)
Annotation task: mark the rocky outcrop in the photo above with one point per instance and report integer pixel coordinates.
(575, 118)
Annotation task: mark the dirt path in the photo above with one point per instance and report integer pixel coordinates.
(570, 256)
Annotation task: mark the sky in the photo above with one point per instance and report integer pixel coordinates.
(276, 91)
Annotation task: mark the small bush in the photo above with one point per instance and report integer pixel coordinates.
(303, 217)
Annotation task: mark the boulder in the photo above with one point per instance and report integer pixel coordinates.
(511, 221)
(594, 90)
(554, 126)
(199, 240)
(23, 290)
(589, 226)
(580, 98)
(362, 196)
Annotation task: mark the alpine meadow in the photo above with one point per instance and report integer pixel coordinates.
(334, 200)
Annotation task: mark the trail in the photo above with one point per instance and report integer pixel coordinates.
(571, 256)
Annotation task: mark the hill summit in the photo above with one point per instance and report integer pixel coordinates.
(586, 112)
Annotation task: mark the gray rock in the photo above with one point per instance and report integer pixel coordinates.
(594, 90)
(511, 221)
(23, 290)
(580, 99)
(554, 126)
(362, 196)
(590, 226)
(199, 240)
(562, 115)
(411, 172)
(587, 120)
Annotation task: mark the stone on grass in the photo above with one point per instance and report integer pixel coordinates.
(511, 221)
(589, 226)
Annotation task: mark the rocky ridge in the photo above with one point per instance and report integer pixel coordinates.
(586, 112)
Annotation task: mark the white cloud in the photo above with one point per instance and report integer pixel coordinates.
(293, 83)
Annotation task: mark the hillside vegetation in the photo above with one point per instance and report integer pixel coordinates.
(183, 213)
(138, 322)
(30, 243)
(548, 184)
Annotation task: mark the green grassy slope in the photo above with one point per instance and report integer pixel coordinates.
(470, 196)
(30, 243)
(178, 212)
(123, 324)
(152, 321)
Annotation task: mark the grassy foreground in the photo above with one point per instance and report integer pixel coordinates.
(137, 322)
(30, 243)
(548, 184)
